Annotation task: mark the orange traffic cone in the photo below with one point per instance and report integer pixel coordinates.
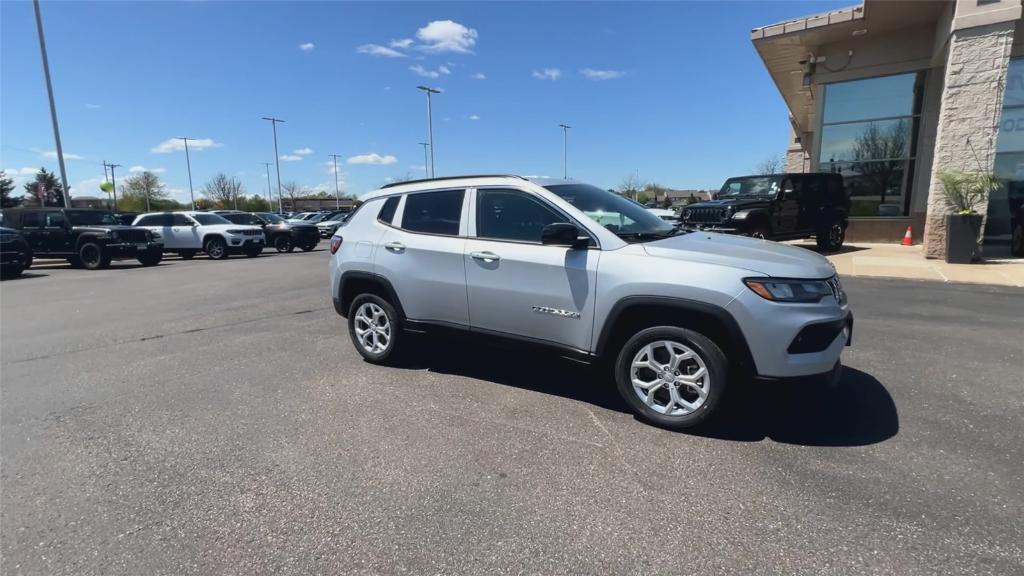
(908, 239)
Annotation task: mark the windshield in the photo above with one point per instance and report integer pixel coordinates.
(209, 219)
(90, 218)
(750, 186)
(627, 219)
(271, 217)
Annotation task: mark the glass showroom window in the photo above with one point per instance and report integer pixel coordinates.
(1009, 164)
(869, 134)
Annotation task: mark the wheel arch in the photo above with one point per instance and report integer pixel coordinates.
(209, 235)
(356, 282)
(634, 313)
(89, 238)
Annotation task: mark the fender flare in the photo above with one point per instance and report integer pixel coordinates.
(340, 306)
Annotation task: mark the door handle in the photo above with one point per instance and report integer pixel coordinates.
(395, 246)
(485, 256)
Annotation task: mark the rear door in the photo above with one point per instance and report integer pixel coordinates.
(185, 232)
(421, 254)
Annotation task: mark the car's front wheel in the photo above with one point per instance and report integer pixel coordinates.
(672, 377)
(150, 257)
(93, 256)
(283, 243)
(831, 239)
(216, 248)
(374, 328)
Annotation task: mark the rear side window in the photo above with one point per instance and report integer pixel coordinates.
(387, 213)
(32, 220)
(433, 212)
(512, 215)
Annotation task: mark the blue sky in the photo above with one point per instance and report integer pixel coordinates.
(674, 91)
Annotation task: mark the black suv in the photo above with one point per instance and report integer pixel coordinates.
(85, 237)
(777, 207)
(15, 255)
(283, 235)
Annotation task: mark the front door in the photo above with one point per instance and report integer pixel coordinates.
(184, 233)
(518, 286)
(55, 228)
(787, 208)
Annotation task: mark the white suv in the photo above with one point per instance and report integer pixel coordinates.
(189, 232)
(678, 313)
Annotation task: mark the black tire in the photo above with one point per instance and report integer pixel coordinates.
(253, 252)
(283, 243)
(12, 271)
(93, 256)
(216, 248)
(831, 238)
(391, 353)
(187, 254)
(26, 261)
(1017, 241)
(714, 383)
(150, 258)
(308, 247)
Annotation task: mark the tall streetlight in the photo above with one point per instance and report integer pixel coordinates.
(188, 164)
(53, 106)
(430, 124)
(565, 142)
(337, 192)
(277, 162)
(270, 191)
(426, 169)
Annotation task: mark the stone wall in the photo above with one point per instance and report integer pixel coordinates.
(972, 99)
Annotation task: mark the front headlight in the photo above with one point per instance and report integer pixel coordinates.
(235, 231)
(777, 290)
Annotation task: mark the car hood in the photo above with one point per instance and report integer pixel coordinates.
(222, 227)
(760, 256)
(737, 203)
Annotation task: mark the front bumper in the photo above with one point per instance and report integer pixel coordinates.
(704, 227)
(242, 243)
(133, 249)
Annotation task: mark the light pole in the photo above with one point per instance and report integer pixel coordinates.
(53, 106)
(426, 169)
(270, 192)
(565, 142)
(113, 183)
(430, 125)
(337, 193)
(277, 161)
(188, 164)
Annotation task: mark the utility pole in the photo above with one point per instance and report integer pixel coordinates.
(337, 192)
(188, 164)
(113, 183)
(426, 169)
(53, 106)
(430, 125)
(565, 142)
(270, 192)
(277, 161)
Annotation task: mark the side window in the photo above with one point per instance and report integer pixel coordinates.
(32, 220)
(512, 215)
(387, 213)
(151, 220)
(180, 220)
(55, 220)
(236, 218)
(433, 212)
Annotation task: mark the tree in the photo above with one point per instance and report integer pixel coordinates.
(223, 191)
(631, 186)
(773, 164)
(655, 191)
(144, 192)
(289, 190)
(254, 203)
(878, 155)
(45, 190)
(6, 187)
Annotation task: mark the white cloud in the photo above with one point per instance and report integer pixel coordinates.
(602, 74)
(378, 50)
(176, 144)
(92, 106)
(290, 157)
(401, 43)
(372, 158)
(303, 151)
(479, 76)
(307, 47)
(52, 155)
(329, 167)
(428, 73)
(138, 168)
(446, 36)
(548, 74)
(474, 117)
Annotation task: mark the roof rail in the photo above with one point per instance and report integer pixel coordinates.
(393, 184)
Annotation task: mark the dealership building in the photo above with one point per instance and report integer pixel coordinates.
(891, 93)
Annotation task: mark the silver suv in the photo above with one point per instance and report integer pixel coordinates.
(678, 314)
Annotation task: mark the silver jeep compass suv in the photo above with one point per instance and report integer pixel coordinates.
(679, 314)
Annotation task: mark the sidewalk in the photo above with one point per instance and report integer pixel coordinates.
(895, 261)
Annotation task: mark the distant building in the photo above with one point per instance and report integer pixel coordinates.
(680, 197)
(90, 202)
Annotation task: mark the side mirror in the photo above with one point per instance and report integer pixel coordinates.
(563, 234)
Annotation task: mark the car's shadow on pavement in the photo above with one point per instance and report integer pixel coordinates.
(857, 411)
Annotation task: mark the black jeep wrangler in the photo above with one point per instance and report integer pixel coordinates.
(777, 207)
(85, 237)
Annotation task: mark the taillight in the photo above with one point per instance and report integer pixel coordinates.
(335, 243)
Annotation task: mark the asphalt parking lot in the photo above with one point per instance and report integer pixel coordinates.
(210, 417)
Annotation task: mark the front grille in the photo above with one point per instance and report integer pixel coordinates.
(704, 215)
(252, 232)
(132, 236)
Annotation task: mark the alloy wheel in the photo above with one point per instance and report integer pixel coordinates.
(670, 378)
(372, 328)
(215, 250)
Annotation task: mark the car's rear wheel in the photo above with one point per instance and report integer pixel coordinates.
(283, 243)
(216, 248)
(672, 377)
(150, 258)
(92, 256)
(187, 254)
(831, 239)
(374, 327)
